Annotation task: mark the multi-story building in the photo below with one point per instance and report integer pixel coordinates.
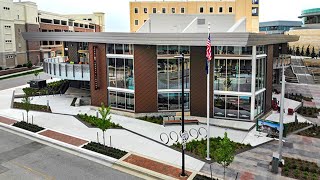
(16, 18)
(138, 73)
(242, 10)
(309, 32)
(19, 17)
(278, 27)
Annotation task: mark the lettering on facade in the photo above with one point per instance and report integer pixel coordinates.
(95, 70)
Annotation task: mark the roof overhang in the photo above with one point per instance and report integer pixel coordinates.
(187, 39)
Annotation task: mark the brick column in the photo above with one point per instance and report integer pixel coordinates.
(98, 82)
(269, 71)
(145, 78)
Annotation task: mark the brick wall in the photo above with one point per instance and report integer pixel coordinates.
(269, 71)
(53, 27)
(145, 75)
(33, 47)
(99, 95)
(79, 29)
(73, 52)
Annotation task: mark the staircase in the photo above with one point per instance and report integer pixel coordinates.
(290, 76)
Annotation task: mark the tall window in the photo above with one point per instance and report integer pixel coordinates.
(201, 10)
(230, 9)
(182, 10)
(136, 22)
(255, 11)
(163, 10)
(173, 10)
(211, 9)
(220, 9)
(154, 10)
(136, 10)
(145, 10)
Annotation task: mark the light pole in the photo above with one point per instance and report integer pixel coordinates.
(183, 173)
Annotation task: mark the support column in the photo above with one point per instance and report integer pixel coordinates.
(253, 84)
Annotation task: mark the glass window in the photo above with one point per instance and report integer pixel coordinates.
(219, 105)
(145, 10)
(119, 48)
(259, 104)
(136, 22)
(201, 10)
(186, 101)
(162, 49)
(246, 50)
(113, 99)
(255, 1)
(129, 101)
(230, 9)
(121, 103)
(163, 10)
(232, 81)
(182, 10)
(255, 11)
(260, 73)
(244, 107)
(245, 76)
(163, 103)
(220, 74)
(173, 101)
(154, 10)
(128, 49)
(232, 106)
(211, 9)
(120, 73)
(186, 73)
(173, 10)
(129, 74)
(112, 72)
(185, 50)
(162, 74)
(220, 9)
(220, 50)
(173, 50)
(173, 74)
(136, 10)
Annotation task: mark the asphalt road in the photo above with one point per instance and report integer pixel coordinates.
(19, 81)
(22, 158)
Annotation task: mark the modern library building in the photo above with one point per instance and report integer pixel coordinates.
(139, 73)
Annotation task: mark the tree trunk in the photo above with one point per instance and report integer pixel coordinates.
(27, 117)
(104, 141)
(224, 172)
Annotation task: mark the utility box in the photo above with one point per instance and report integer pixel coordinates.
(38, 83)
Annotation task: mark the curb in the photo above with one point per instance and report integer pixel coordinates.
(20, 73)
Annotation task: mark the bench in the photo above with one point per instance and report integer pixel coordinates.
(165, 122)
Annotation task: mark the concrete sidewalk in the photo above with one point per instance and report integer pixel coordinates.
(23, 72)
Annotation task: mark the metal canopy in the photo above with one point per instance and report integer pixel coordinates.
(187, 39)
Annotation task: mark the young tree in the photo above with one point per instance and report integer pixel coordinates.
(224, 154)
(26, 101)
(313, 53)
(290, 50)
(302, 51)
(308, 51)
(103, 124)
(298, 51)
(36, 73)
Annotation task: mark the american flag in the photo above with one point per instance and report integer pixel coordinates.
(209, 49)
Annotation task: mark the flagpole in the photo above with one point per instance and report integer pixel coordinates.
(208, 105)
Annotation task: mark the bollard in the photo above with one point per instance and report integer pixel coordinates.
(22, 116)
(97, 137)
(48, 105)
(97, 114)
(110, 142)
(32, 119)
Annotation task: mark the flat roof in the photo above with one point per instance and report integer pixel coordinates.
(280, 23)
(186, 39)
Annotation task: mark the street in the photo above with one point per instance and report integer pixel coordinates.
(21, 158)
(19, 81)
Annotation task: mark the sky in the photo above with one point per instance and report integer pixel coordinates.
(117, 12)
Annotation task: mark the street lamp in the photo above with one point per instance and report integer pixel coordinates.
(183, 173)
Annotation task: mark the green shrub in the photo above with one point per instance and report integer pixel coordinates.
(29, 64)
(153, 119)
(296, 173)
(93, 121)
(1, 68)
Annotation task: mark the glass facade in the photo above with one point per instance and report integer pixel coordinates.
(120, 76)
(260, 73)
(233, 75)
(259, 105)
(170, 77)
(232, 107)
(232, 50)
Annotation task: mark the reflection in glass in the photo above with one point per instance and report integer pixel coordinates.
(186, 101)
(162, 74)
(121, 100)
(113, 99)
(120, 73)
(162, 49)
(110, 49)
(129, 74)
(129, 101)
(244, 107)
(185, 50)
(173, 74)
(128, 49)
(220, 74)
(112, 72)
(232, 106)
(119, 48)
(173, 49)
(219, 105)
(173, 101)
(245, 76)
(231, 83)
(163, 101)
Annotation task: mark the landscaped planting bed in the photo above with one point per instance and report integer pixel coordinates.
(308, 112)
(28, 126)
(291, 127)
(297, 97)
(201, 177)
(109, 151)
(56, 87)
(93, 121)
(311, 132)
(300, 169)
(153, 119)
(198, 147)
(33, 107)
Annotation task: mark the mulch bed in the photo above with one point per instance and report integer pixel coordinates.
(27, 126)
(34, 107)
(105, 150)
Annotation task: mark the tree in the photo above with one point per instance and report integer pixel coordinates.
(36, 73)
(298, 51)
(302, 51)
(290, 50)
(224, 154)
(29, 64)
(313, 53)
(104, 122)
(26, 101)
(308, 51)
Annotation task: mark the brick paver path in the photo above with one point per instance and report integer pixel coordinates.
(64, 138)
(7, 121)
(155, 166)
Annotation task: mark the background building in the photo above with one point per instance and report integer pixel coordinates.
(242, 10)
(309, 32)
(278, 27)
(19, 17)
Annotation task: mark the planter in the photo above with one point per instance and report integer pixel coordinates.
(105, 150)
(28, 126)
